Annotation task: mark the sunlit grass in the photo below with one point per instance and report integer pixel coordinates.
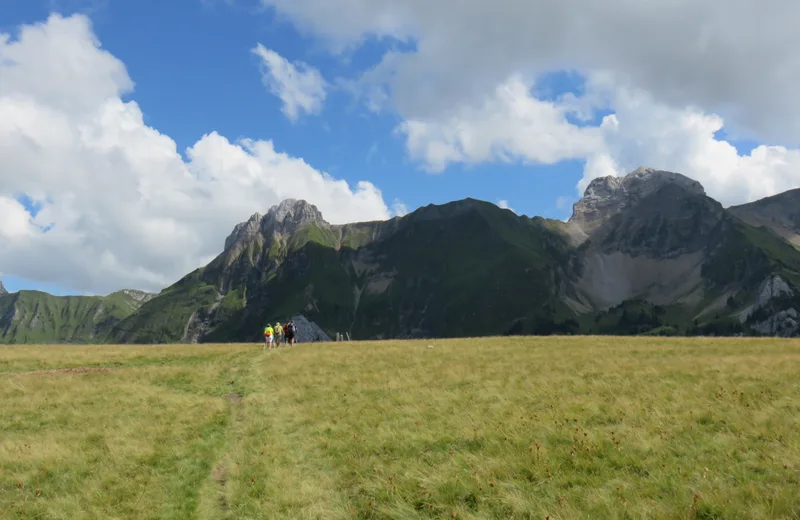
(497, 428)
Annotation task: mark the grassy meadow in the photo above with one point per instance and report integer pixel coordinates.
(558, 428)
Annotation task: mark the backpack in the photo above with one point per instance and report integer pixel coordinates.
(290, 328)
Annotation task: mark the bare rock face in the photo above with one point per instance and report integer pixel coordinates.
(283, 218)
(773, 288)
(785, 323)
(645, 237)
(770, 319)
(244, 230)
(603, 197)
(289, 215)
(2, 289)
(138, 296)
(609, 196)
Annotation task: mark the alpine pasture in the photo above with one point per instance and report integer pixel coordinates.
(519, 427)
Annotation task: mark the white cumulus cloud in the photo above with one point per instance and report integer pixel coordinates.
(671, 71)
(504, 204)
(299, 86)
(119, 205)
(507, 125)
(512, 125)
(15, 221)
(644, 132)
(399, 209)
(734, 57)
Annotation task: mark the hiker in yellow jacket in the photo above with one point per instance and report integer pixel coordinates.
(278, 334)
(269, 337)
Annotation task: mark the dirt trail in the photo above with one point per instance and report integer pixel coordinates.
(236, 379)
(71, 370)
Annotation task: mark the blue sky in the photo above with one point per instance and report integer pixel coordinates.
(195, 73)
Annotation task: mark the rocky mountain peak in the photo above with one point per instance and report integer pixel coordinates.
(644, 181)
(281, 218)
(289, 215)
(605, 197)
(244, 230)
(2, 289)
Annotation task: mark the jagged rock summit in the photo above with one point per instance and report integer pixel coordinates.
(649, 236)
(2, 289)
(608, 196)
(244, 230)
(294, 211)
(282, 218)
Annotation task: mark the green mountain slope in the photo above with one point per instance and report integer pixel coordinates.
(37, 317)
(779, 214)
(647, 253)
(453, 270)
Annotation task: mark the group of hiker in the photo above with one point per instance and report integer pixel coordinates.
(277, 334)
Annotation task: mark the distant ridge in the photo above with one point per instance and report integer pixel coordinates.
(780, 214)
(646, 253)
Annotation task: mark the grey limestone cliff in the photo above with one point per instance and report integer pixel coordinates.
(609, 196)
(643, 237)
(772, 313)
(282, 219)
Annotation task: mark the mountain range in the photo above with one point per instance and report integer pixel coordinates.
(38, 317)
(647, 253)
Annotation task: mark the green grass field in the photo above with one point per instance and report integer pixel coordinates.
(540, 428)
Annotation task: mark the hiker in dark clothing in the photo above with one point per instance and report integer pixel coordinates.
(290, 330)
